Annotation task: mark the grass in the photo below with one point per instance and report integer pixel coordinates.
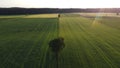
(112, 22)
(11, 16)
(109, 19)
(90, 43)
(42, 16)
(24, 42)
(99, 14)
(30, 16)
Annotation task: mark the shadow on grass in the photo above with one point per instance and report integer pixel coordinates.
(50, 59)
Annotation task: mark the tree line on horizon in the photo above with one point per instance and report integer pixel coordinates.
(16, 10)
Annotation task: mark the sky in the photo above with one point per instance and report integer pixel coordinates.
(61, 3)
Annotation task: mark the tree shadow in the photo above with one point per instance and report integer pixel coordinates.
(52, 55)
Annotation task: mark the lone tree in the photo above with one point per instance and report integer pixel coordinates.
(56, 46)
(117, 11)
(58, 15)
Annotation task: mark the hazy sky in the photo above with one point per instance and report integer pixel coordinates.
(61, 3)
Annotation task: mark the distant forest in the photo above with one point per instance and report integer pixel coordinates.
(20, 11)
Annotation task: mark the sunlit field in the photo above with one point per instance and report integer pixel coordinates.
(30, 16)
(110, 19)
(99, 14)
(90, 42)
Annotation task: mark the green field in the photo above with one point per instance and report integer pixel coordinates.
(99, 14)
(89, 42)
